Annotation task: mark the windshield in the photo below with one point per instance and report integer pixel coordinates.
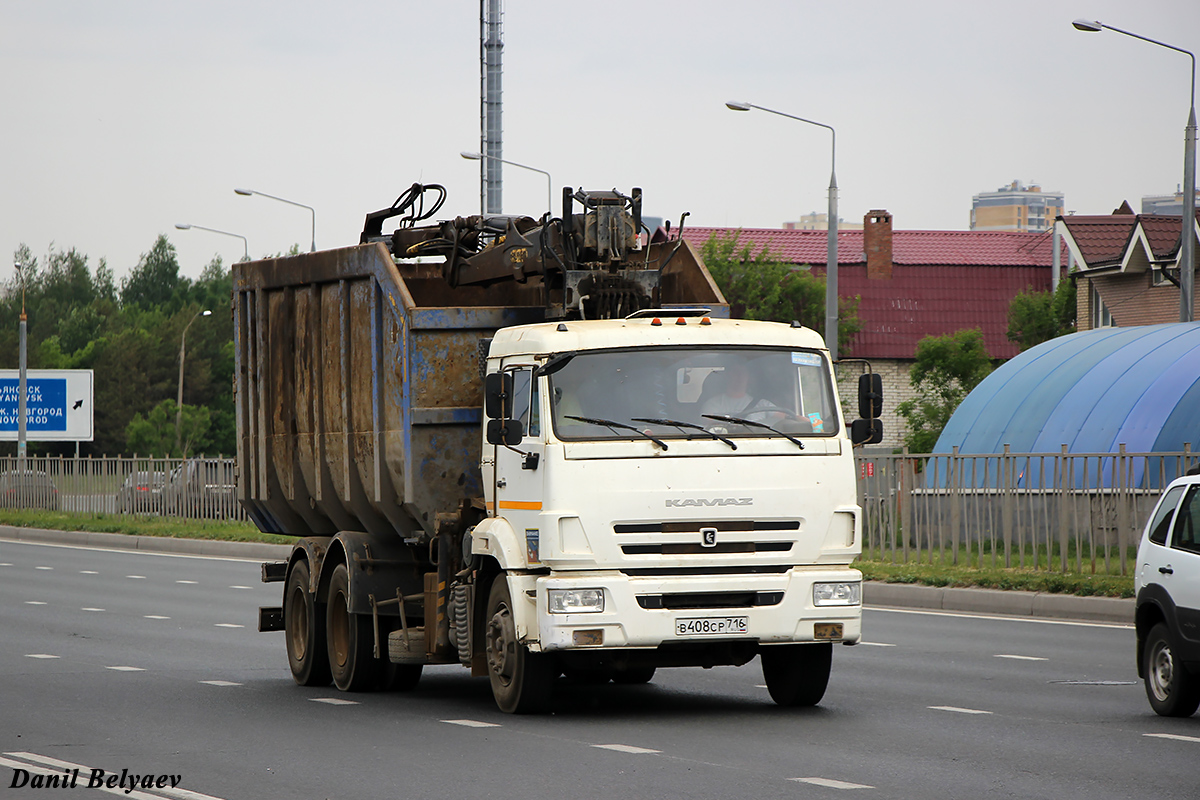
(675, 393)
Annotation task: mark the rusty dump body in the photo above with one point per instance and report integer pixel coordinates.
(359, 385)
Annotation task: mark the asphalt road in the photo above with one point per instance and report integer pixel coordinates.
(151, 663)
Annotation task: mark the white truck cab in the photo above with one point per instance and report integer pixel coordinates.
(666, 490)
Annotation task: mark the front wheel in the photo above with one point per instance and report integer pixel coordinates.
(797, 674)
(521, 681)
(304, 630)
(1172, 691)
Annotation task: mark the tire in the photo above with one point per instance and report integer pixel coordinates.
(1170, 688)
(634, 675)
(521, 681)
(304, 630)
(350, 640)
(797, 674)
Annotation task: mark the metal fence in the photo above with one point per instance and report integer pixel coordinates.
(199, 488)
(1080, 512)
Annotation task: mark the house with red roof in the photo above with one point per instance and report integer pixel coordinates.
(912, 284)
(1126, 266)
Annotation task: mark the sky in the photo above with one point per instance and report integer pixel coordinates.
(127, 117)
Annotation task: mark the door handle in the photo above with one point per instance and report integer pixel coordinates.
(501, 483)
(1166, 570)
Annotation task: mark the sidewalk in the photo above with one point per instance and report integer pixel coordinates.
(881, 595)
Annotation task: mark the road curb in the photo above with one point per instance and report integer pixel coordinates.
(148, 544)
(1041, 605)
(875, 593)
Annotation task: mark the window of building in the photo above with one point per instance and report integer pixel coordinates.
(1101, 317)
(1158, 277)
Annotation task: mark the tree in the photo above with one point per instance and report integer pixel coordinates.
(155, 278)
(946, 369)
(1036, 317)
(763, 287)
(154, 433)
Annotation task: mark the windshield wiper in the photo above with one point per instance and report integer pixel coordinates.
(752, 424)
(674, 423)
(608, 423)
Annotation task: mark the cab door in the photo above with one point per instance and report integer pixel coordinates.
(1183, 580)
(518, 467)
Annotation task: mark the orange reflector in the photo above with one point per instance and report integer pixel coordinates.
(591, 638)
(656, 321)
(705, 321)
(681, 321)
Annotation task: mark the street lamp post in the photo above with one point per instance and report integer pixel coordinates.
(22, 383)
(183, 226)
(179, 404)
(831, 247)
(1187, 247)
(248, 192)
(549, 184)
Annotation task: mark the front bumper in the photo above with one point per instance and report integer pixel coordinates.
(624, 622)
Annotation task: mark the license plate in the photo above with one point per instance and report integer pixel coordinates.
(711, 626)
(831, 631)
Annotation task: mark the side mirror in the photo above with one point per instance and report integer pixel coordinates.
(866, 431)
(870, 395)
(505, 431)
(497, 396)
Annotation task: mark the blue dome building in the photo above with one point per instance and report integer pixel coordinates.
(1092, 391)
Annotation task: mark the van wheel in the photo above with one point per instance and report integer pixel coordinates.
(1172, 691)
(521, 680)
(797, 674)
(350, 638)
(304, 630)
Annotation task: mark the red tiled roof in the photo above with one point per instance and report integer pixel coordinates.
(1103, 239)
(1162, 232)
(927, 248)
(942, 281)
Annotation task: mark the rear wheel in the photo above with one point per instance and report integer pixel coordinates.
(304, 630)
(351, 642)
(797, 674)
(521, 681)
(1172, 691)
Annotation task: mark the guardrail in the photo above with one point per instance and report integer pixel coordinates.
(201, 488)
(1079, 512)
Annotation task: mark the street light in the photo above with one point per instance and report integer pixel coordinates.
(1187, 247)
(179, 405)
(248, 192)
(183, 226)
(549, 184)
(22, 377)
(831, 264)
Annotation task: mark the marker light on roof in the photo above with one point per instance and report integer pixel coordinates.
(681, 321)
(705, 321)
(656, 321)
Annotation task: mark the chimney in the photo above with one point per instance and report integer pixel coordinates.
(877, 241)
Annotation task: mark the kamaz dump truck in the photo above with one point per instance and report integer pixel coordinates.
(537, 448)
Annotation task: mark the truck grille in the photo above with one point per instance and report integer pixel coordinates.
(725, 525)
(694, 549)
(691, 600)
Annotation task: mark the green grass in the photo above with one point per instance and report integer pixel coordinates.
(988, 577)
(137, 525)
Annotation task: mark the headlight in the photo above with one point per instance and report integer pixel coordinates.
(837, 594)
(575, 601)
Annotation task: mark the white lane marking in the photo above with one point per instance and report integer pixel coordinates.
(873, 644)
(626, 748)
(88, 572)
(40, 655)
(155, 616)
(1177, 737)
(760, 686)
(334, 701)
(1020, 658)
(35, 602)
(148, 553)
(180, 794)
(52, 773)
(137, 577)
(127, 669)
(43, 567)
(829, 783)
(239, 587)
(5, 563)
(227, 625)
(91, 609)
(190, 582)
(958, 710)
(470, 723)
(221, 683)
(997, 618)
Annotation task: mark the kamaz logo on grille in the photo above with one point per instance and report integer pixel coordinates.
(711, 501)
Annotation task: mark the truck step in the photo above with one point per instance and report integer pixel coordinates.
(411, 651)
(270, 618)
(274, 571)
